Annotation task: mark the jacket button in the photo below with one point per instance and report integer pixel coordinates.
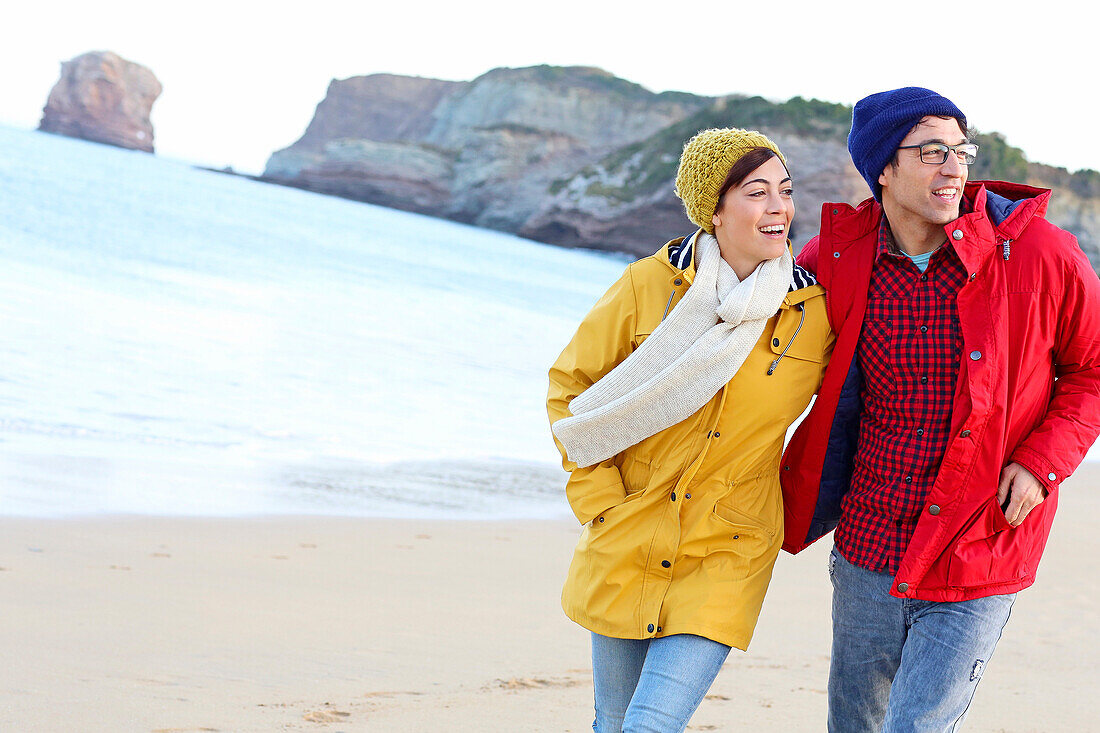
(716, 433)
(902, 587)
(924, 329)
(957, 234)
(650, 628)
(975, 355)
(1052, 477)
(659, 628)
(775, 342)
(677, 281)
(908, 479)
(934, 510)
(920, 432)
(836, 255)
(687, 496)
(964, 434)
(924, 380)
(674, 496)
(666, 564)
(601, 520)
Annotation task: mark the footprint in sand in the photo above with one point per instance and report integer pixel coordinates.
(326, 716)
(530, 683)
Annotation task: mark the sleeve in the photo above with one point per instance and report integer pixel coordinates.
(604, 338)
(807, 256)
(1058, 444)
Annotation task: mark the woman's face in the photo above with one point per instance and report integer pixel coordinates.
(754, 219)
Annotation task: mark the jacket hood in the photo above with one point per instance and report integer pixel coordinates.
(1010, 207)
(1006, 207)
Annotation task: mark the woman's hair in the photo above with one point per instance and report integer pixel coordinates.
(745, 165)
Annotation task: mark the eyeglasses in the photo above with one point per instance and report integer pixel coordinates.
(936, 153)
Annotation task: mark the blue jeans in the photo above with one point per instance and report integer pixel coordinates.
(652, 685)
(900, 664)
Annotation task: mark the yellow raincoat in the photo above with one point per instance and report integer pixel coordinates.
(681, 530)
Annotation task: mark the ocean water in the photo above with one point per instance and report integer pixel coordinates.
(177, 341)
(181, 342)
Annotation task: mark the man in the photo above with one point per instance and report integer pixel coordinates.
(964, 388)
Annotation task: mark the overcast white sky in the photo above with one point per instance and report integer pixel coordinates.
(242, 79)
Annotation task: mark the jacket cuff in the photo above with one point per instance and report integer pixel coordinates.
(1039, 467)
(590, 503)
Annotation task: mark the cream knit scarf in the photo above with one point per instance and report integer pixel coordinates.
(685, 361)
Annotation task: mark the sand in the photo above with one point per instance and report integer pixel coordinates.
(329, 624)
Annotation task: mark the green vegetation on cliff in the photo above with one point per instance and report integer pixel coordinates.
(646, 166)
(997, 160)
(650, 164)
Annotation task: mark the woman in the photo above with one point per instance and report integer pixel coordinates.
(670, 406)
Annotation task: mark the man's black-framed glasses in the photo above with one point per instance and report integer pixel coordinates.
(936, 153)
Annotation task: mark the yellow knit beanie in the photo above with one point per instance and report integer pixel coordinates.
(704, 165)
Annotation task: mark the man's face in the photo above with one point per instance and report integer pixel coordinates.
(931, 193)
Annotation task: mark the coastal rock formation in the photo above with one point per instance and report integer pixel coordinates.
(482, 152)
(577, 157)
(103, 98)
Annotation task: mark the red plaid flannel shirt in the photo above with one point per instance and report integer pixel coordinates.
(909, 354)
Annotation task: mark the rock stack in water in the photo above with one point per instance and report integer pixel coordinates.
(103, 98)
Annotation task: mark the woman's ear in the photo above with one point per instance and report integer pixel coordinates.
(716, 221)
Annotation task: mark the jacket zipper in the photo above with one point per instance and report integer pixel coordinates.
(802, 318)
(669, 304)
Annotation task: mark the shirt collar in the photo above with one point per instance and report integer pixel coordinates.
(888, 246)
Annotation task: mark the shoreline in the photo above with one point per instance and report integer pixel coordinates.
(354, 624)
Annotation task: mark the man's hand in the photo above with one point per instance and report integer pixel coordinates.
(1022, 490)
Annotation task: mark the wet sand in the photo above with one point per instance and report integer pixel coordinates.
(304, 623)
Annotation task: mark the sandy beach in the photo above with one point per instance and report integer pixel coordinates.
(329, 624)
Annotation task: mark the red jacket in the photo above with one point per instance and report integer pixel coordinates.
(1028, 390)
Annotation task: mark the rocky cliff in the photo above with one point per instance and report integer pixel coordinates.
(483, 152)
(577, 157)
(103, 98)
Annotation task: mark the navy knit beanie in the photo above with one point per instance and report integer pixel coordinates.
(881, 121)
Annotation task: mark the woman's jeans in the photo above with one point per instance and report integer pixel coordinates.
(652, 685)
(900, 664)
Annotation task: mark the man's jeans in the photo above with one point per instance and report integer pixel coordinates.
(652, 685)
(900, 664)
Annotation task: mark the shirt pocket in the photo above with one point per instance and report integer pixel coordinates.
(880, 345)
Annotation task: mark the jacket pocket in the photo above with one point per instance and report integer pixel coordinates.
(792, 338)
(739, 544)
(737, 520)
(988, 551)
